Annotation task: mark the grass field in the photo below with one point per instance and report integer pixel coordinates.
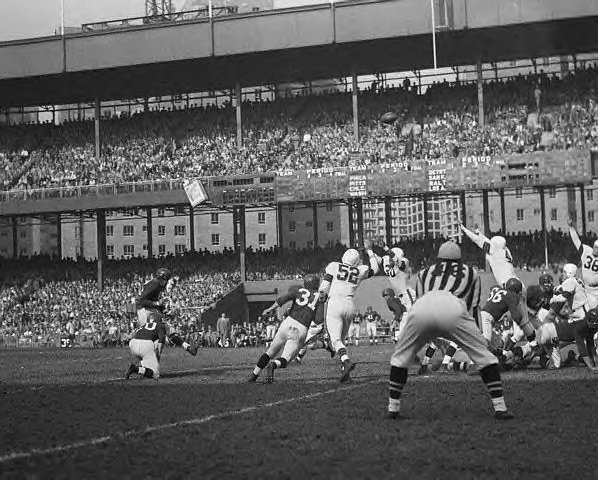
(69, 414)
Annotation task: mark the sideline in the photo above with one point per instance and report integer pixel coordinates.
(36, 452)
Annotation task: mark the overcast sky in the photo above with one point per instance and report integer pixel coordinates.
(37, 18)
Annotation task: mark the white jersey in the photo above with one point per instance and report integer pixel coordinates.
(344, 279)
(589, 267)
(501, 263)
(574, 293)
(397, 273)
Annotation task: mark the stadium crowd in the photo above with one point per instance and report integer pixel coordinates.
(522, 114)
(42, 298)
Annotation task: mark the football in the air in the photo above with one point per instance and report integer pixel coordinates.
(388, 117)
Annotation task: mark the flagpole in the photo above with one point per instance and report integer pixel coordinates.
(62, 18)
(433, 33)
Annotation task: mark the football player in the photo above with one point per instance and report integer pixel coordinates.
(397, 269)
(589, 264)
(147, 344)
(580, 326)
(371, 318)
(150, 304)
(447, 292)
(500, 260)
(500, 301)
(292, 332)
(397, 308)
(355, 329)
(341, 280)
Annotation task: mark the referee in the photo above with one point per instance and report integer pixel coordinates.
(447, 292)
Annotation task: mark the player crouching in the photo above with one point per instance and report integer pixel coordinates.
(292, 332)
(147, 344)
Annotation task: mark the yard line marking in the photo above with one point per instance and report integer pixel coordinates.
(35, 452)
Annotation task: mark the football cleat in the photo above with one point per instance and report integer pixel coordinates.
(394, 415)
(423, 370)
(251, 378)
(192, 349)
(346, 368)
(132, 369)
(503, 415)
(270, 372)
(445, 368)
(328, 347)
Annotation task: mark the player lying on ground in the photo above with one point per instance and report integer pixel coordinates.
(341, 280)
(291, 334)
(147, 344)
(440, 312)
(580, 326)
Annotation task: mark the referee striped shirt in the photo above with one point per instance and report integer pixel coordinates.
(453, 276)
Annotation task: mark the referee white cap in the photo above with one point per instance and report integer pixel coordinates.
(449, 251)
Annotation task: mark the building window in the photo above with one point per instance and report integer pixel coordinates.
(179, 230)
(329, 206)
(128, 231)
(292, 226)
(591, 216)
(129, 250)
(110, 250)
(329, 244)
(590, 194)
(261, 218)
(144, 247)
(215, 239)
(310, 244)
(162, 250)
(518, 192)
(180, 249)
(109, 230)
(553, 214)
(330, 226)
(144, 228)
(520, 214)
(309, 224)
(179, 210)
(161, 230)
(261, 239)
(76, 233)
(552, 192)
(215, 218)
(161, 212)
(293, 245)
(23, 234)
(291, 208)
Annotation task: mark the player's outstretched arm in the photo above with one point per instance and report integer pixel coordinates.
(574, 236)
(478, 239)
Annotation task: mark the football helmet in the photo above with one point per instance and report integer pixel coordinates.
(498, 242)
(163, 274)
(546, 280)
(311, 282)
(570, 270)
(351, 257)
(399, 254)
(514, 285)
(449, 251)
(388, 292)
(592, 318)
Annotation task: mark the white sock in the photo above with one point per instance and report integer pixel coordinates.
(394, 405)
(446, 360)
(186, 345)
(141, 370)
(344, 358)
(499, 404)
(257, 370)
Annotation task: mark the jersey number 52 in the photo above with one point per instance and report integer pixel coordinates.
(347, 273)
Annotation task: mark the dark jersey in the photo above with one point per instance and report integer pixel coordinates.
(357, 318)
(501, 301)
(151, 331)
(305, 306)
(578, 332)
(371, 317)
(537, 298)
(150, 294)
(396, 307)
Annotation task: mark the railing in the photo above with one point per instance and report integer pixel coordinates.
(189, 15)
(91, 190)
